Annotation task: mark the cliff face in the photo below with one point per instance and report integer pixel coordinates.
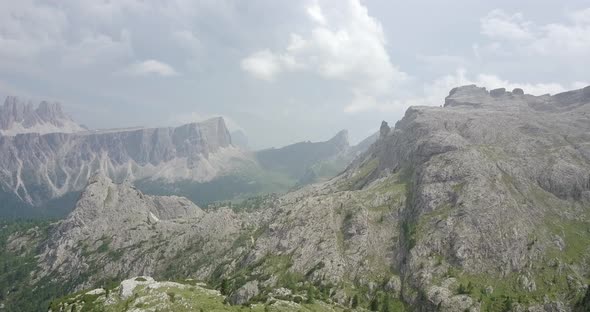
(499, 195)
(481, 205)
(38, 167)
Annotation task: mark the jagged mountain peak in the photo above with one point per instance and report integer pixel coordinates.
(19, 116)
(340, 139)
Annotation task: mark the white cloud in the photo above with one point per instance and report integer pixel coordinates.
(349, 47)
(315, 12)
(499, 25)
(27, 29)
(150, 67)
(568, 39)
(262, 65)
(97, 48)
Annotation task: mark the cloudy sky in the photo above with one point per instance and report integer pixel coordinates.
(283, 71)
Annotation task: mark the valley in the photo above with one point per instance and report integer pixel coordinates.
(480, 205)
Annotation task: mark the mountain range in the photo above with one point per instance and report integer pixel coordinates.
(46, 159)
(480, 205)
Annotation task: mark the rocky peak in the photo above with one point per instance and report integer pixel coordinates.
(340, 139)
(106, 206)
(50, 111)
(216, 129)
(384, 129)
(20, 116)
(518, 91)
(466, 95)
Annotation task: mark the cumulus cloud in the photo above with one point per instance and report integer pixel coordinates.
(348, 46)
(97, 48)
(499, 25)
(27, 29)
(263, 65)
(556, 39)
(315, 12)
(150, 67)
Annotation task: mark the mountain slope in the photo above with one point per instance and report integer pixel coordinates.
(295, 159)
(481, 205)
(309, 162)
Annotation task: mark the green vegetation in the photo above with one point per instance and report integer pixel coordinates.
(235, 187)
(14, 209)
(497, 293)
(360, 178)
(178, 298)
(16, 267)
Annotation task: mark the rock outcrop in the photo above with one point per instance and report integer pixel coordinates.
(116, 231)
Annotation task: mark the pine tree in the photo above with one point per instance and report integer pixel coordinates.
(355, 301)
(310, 295)
(374, 304)
(224, 289)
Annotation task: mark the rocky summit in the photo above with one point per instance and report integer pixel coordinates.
(480, 205)
(19, 116)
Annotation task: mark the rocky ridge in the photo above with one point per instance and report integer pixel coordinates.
(481, 205)
(309, 162)
(143, 293)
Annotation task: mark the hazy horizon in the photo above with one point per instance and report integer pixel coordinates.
(304, 70)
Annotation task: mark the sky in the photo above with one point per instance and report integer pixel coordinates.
(283, 71)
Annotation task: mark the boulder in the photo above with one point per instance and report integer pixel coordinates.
(244, 293)
(518, 91)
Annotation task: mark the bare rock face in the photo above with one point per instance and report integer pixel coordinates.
(245, 293)
(473, 206)
(116, 231)
(493, 175)
(37, 168)
(18, 116)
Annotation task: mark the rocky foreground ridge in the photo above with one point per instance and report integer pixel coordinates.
(480, 205)
(143, 293)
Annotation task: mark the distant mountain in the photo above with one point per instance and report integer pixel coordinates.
(327, 168)
(273, 171)
(18, 116)
(294, 160)
(37, 168)
(47, 160)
